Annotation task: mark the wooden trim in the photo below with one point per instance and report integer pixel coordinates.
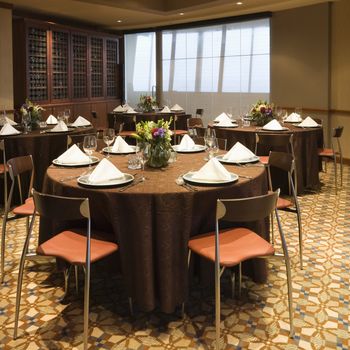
(317, 110)
(4, 5)
(346, 161)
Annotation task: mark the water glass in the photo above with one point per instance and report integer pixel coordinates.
(66, 115)
(26, 119)
(108, 138)
(173, 157)
(90, 146)
(3, 118)
(209, 133)
(143, 154)
(133, 162)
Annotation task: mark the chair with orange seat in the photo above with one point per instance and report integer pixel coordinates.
(333, 153)
(193, 123)
(75, 246)
(18, 167)
(230, 247)
(284, 161)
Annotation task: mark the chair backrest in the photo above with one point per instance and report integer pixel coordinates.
(17, 167)
(194, 122)
(222, 143)
(275, 140)
(338, 131)
(199, 112)
(246, 209)
(2, 149)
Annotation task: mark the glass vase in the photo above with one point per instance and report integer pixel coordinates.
(159, 155)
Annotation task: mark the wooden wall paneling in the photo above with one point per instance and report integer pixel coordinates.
(81, 109)
(101, 114)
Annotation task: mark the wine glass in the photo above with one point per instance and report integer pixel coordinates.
(26, 119)
(61, 116)
(209, 133)
(212, 147)
(3, 117)
(143, 153)
(108, 138)
(66, 115)
(89, 146)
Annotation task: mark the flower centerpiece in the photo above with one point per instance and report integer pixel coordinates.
(262, 112)
(34, 110)
(158, 136)
(147, 103)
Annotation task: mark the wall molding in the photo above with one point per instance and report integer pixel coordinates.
(4, 5)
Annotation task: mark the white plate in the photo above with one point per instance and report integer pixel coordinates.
(177, 110)
(250, 160)
(111, 152)
(188, 177)
(84, 180)
(94, 160)
(197, 148)
(226, 126)
(296, 121)
(59, 131)
(307, 127)
(273, 130)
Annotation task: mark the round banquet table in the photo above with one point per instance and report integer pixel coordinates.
(153, 221)
(306, 142)
(42, 145)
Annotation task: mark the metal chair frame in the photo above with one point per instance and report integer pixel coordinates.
(247, 210)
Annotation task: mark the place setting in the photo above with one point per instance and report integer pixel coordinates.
(273, 125)
(119, 147)
(308, 122)
(60, 127)
(187, 145)
(8, 130)
(80, 122)
(224, 121)
(238, 155)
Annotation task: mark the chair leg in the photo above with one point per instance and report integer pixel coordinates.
(131, 307)
(66, 274)
(188, 265)
(272, 230)
(300, 229)
(217, 307)
(3, 234)
(239, 280)
(335, 174)
(76, 273)
(341, 170)
(290, 296)
(86, 307)
(233, 283)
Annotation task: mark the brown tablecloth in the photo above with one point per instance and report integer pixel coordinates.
(306, 141)
(152, 223)
(44, 147)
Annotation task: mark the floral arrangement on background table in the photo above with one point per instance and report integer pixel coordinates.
(147, 103)
(34, 110)
(158, 136)
(262, 112)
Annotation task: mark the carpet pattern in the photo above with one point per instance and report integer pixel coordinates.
(258, 320)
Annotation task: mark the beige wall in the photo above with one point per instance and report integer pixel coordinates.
(6, 67)
(340, 70)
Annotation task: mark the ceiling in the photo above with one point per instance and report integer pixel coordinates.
(134, 14)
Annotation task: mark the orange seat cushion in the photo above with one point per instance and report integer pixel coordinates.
(325, 152)
(25, 209)
(180, 132)
(71, 246)
(236, 245)
(126, 133)
(264, 159)
(283, 203)
(3, 168)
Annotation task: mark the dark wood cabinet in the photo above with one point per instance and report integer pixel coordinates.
(61, 67)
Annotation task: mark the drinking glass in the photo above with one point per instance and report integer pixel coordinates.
(26, 119)
(89, 146)
(209, 133)
(213, 147)
(66, 115)
(143, 153)
(61, 116)
(3, 117)
(108, 138)
(299, 111)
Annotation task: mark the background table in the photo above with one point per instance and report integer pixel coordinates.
(44, 147)
(152, 223)
(306, 142)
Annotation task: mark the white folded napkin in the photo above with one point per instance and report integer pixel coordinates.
(131, 110)
(186, 144)
(225, 123)
(61, 126)
(273, 125)
(8, 129)
(120, 108)
(81, 121)
(222, 118)
(105, 171)
(213, 170)
(238, 153)
(294, 118)
(165, 110)
(51, 120)
(7, 120)
(176, 107)
(73, 155)
(121, 146)
(308, 122)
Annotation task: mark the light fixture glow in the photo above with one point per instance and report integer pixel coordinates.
(119, 21)
(239, 3)
(181, 14)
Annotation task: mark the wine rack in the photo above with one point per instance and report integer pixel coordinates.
(112, 64)
(96, 67)
(79, 52)
(37, 64)
(59, 65)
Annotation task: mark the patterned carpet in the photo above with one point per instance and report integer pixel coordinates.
(259, 320)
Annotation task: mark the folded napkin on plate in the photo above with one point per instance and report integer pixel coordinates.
(186, 143)
(81, 121)
(238, 153)
(213, 170)
(8, 121)
(105, 171)
(61, 126)
(273, 125)
(73, 155)
(51, 119)
(294, 118)
(120, 108)
(225, 123)
(131, 110)
(165, 110)
(223, 117)
(308, 122)
(176, 107)
(121, 146)
(8, 129)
